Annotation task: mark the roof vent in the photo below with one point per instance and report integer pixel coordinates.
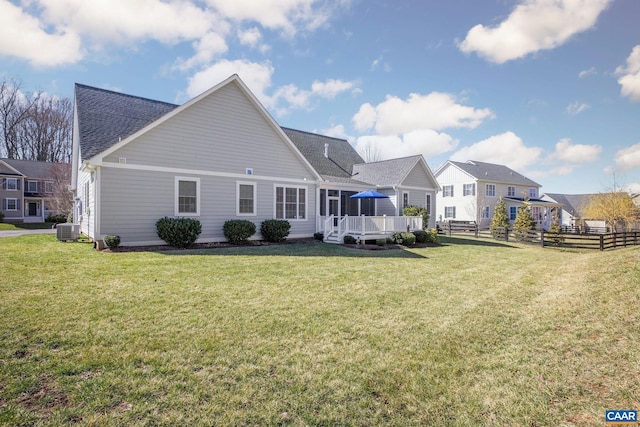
(326, 150)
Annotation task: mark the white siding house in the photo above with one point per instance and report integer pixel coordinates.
(471, 190)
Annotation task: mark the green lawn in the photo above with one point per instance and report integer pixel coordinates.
(466, 334)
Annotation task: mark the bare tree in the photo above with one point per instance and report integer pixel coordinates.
(615, 207)
(14, 109)
(46, 131)
(34, 126)
(61, 200)
(371, 152)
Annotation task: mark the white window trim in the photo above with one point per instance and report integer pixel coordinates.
(29, 182)
(7, 184)
(533, 191)
(450, 209)
(511, 194)
(255, 198)
(485, 210)
(177, 196)
(465, 188)
(486, 190)
(406, 194)
(16, 204)
(48, 187)
(306, 201)
(444, 190)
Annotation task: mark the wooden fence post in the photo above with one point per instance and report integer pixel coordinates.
(506, 234)
(602, 242)
(542, 238)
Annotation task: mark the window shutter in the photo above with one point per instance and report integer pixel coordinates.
(4, 204)
(18, 184)
(454, 212)
(4, 183)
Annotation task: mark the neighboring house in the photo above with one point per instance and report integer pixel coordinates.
(571, 212)
(27, 186)
(471, 190)
(219, 156)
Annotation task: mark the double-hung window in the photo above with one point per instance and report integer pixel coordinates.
(427, 203)
(10, 184)
(447, 191)
(10, 204)
(513, 213)
(491, 190)
(246, 193)
(533, 193)
(405, 200)
(449, 211)
(32, 186)
(511, 191)
(291, 203)
(48, 187)
(469, 189)
(187, 198)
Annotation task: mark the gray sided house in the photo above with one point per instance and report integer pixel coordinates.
(219, 156)
(471, 190)
(27, 188)
(571, 212)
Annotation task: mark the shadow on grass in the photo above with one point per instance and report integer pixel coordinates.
(299, 249)
(474, 242)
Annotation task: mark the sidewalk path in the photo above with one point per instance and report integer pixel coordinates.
(13, 233)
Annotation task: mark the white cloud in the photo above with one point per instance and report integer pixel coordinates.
(25, 36)
(285, 15)
(330, 88)
(426, 142)
(533, 25)
(58, 32)
(630, 76)
(575, 153)
(590, 72)
(577, 108)
(250, 37)
(628, 158)
(257, 76)
(337, 131)
(435, 111)
(207, 48)
(505, 149)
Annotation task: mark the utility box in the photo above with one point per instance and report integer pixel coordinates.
(68, 232)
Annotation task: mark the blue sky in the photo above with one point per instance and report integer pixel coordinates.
(550, 88)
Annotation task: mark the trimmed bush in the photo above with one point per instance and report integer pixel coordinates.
(432, 236)
(1, 217)
(381, 242)
(406, 238)
(417, 211)
(238, 231)
(178, 232)
(112, 241)
(421, 236)
(275, 230)
(349, 240)
(70, 218)
(58, 219)
(318, 236)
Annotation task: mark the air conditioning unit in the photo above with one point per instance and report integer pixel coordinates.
(67, 232)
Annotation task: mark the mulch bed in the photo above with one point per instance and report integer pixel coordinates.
(251, 243)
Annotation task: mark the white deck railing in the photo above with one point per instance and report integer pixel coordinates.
(362, 226)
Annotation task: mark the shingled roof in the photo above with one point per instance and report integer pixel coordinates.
(337, 166)
(105, 117)
(572, 203)
(386, 172)
(492, 172)
(33, 169)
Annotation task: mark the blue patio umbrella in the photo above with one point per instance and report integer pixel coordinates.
(369, 194)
